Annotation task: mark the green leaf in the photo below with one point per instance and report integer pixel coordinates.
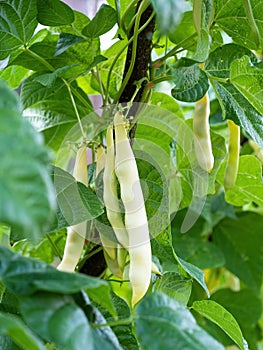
(219, 61)
(165, 101)
(124, 332)
(194, 246)
(104, 337)
(43, 107)
(234, 301)
(26, 178)
(17, 24)
(236, 107)
(169, 16)
(104, 20)
(248, 81)
(25, 276)
(13, 75)
(170, 323)
(175, 286)
(184, 29)
(54, 13)
(62, 320)
(43, 251)
(155, 190)
(248, 187)
(219, 315)
(76, 202)
(242, 247)
(191, 82)
(21, 335)
(231, 16)
(194, 272)
(65, 41)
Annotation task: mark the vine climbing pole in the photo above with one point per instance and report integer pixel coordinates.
(140, 61)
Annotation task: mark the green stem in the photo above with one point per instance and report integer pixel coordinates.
(121, 322)
(54, 246)
(162, 78)
(119, 54)
(176, 48)
(128, 8)
(97, 76)
(117, 281)
(251, 21)
(75, 108)
(142, 8)
(220, 80)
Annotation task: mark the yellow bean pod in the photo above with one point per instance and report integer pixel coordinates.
(76, 234)
(108, 245)
(110, 193)
(202, 139)
(136, 222)
(233, 155)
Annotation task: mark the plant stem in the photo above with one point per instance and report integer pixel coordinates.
(143, 6)
(119, 54)
(75, 108)
(120, 322)
(252, 21)
(126, 11)
(221, 80)
(162, 78)
(175, 49)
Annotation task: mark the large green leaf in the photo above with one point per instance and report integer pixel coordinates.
(232, 17)
(43, 107)
(219, 315)
(184, 29)
(54, 13)
(77, 203)
(248, 81)
(219, 61)
(234, 301)
(104, 20)
(191, 82)
(172, 325)
(194, 246)
(27, 194)
(13, 75)
(175, 286)
(25, 276)
(236, 107)
(248, 186)
(17, 24)
(21, 335)
(169, 16)
(57, 319)
(242, 247)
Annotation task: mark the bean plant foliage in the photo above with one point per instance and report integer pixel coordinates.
(206, 238)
